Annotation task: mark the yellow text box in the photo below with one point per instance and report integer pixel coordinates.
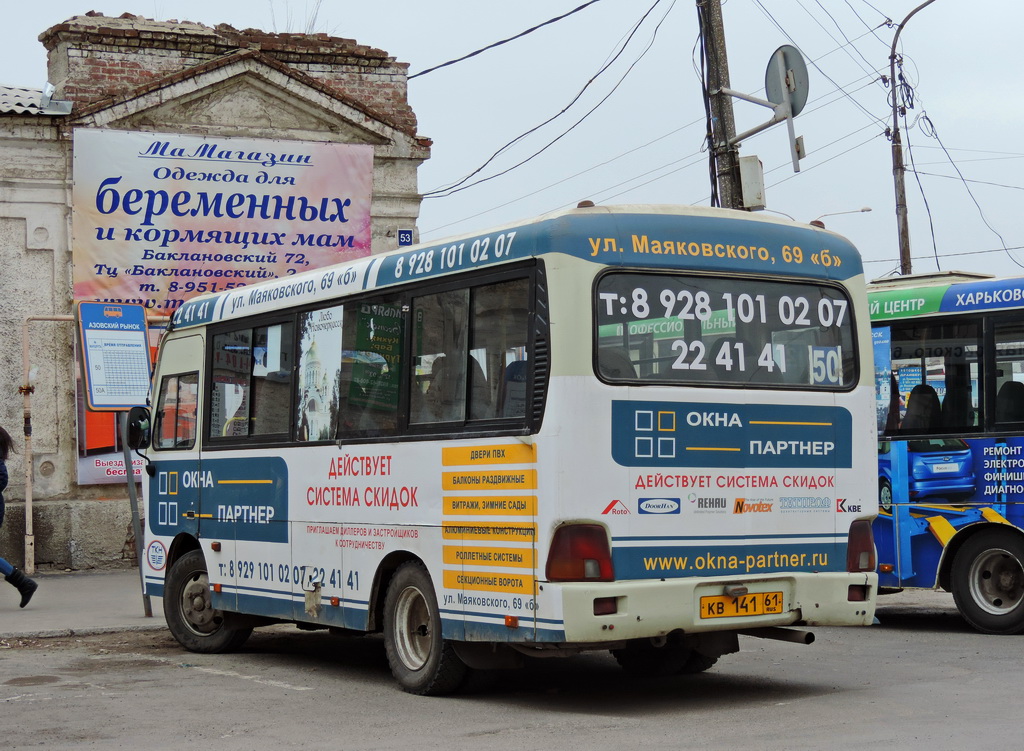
(506, 557)
(489, 581)
(491, 505)
(510, 453)
(496, 531)
(490, 479)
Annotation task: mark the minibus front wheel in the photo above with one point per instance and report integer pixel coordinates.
(189, 611)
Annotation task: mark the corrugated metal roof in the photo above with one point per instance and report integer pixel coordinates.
(25, 102)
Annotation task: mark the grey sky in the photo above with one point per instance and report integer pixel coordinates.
(644, 143)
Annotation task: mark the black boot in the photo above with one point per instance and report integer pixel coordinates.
(26, 586)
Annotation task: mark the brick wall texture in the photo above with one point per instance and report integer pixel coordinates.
(101, 58)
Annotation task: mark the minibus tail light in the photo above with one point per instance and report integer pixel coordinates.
(860, 547)
(580, 552)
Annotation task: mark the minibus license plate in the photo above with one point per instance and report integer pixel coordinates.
(754, 603)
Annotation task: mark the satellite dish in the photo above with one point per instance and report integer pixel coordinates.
(786, 58)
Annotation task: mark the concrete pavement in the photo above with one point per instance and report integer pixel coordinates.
(77, 604)
(93, 602)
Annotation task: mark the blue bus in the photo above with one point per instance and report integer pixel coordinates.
(949, 378)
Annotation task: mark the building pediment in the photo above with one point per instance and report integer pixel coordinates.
(248, 94)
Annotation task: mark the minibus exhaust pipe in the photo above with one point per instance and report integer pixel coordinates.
(780, 634)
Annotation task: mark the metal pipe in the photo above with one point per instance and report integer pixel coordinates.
(780, 634)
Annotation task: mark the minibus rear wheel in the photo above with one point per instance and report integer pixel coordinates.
(421, 660)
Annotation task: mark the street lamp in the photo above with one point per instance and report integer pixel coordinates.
(818, 223)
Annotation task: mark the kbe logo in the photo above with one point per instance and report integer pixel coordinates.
(843, 504)
(658, 505)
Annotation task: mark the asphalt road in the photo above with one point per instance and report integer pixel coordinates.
(920, 679)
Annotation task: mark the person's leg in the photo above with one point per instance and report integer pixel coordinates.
(19, 581)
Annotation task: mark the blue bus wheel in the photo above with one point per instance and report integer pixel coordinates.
(988, 581)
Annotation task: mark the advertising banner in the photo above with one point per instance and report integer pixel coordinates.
(159, 218)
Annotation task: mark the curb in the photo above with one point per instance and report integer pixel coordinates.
(63, 633)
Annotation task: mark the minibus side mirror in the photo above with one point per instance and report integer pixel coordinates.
(139, 428)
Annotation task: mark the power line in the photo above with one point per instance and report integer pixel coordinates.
(591, 168)
(968, 180)
(984, 159)
(838, 93)
(785, 33)
(848, 45)
(503, 41)
(954, 255)
(928, 128)
(461, 184)
(924, 196)
(887, 22)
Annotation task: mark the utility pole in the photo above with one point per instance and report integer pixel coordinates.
(898, 170)
(727, 165)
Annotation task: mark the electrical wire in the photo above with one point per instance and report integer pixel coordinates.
(582, 172)
(888, 22)
(817, 67)
(461, 184)
(504, 41)
(955, 255)
(929, 130)
(846, 48)
(968, 180)
(840, 92)
(924, 198)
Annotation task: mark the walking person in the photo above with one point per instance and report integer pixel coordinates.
(17, 578)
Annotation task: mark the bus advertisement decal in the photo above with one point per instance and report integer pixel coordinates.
(245, 499)
(697, 434)
(505, 531)
(489, 581)
(490, 556)
(494, 479)
(513, 453)
(491, 505)
(669, 561)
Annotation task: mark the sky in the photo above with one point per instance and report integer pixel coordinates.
(635, 133)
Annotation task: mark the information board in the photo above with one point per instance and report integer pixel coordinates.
(115, 355)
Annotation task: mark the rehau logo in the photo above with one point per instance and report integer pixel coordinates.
(842, 504)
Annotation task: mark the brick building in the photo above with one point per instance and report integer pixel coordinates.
(134, 74)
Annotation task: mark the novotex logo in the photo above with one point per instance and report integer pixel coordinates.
(752, 506)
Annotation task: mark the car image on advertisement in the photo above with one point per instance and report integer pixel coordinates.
(936, 468)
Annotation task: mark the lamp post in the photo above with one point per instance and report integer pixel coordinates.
(818, 223)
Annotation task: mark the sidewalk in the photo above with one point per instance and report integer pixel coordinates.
(78, 604)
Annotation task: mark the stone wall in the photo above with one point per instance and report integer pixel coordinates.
(130, 73)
